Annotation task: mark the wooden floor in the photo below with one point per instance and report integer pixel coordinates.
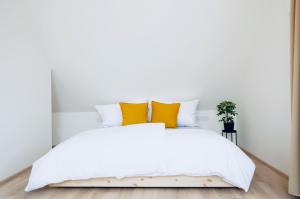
(266, 184)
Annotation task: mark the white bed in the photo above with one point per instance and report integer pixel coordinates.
(145, 152)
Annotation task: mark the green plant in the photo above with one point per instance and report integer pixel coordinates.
(226, 110)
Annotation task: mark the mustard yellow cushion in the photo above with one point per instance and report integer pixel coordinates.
(134, 113)
(165, 113)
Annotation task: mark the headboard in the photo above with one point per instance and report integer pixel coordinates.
(67, 124)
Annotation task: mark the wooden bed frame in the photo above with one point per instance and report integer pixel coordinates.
(158, 181)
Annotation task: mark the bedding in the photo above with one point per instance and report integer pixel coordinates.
(187, 112)
(134, 113)
(143, 150)
(165, 113)
(111, 114)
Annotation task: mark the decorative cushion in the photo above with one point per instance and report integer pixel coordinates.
(165, 113)
(134, 113)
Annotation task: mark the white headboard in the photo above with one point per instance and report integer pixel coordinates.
(67, 124)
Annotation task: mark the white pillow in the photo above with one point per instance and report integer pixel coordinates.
(111, 114)
(186, 115)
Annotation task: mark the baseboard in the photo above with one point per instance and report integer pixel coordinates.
(14, 175)
(267, 164)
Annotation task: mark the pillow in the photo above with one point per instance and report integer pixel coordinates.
(134, 113)
(187, 113)
(111, 114)
(165, 113)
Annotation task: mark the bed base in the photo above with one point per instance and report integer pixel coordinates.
(157, 181)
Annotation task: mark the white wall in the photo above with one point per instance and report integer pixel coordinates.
(25, 85)
(111, 50)
(265, 94)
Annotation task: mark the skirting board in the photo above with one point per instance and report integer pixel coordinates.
(14, 175)
(157, 181)
(267, 164)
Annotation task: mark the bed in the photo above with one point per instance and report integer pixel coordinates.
(144, 155)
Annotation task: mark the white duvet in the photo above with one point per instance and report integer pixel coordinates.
(143, 150)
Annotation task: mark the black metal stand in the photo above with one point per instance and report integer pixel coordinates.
(230, 132)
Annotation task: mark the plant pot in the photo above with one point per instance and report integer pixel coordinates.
(228, 127)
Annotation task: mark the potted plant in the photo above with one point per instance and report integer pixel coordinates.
(226, 110)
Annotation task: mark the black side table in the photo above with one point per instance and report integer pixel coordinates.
(230, 132)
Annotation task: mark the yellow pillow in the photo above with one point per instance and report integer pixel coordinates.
(165, 113)
(134, 113)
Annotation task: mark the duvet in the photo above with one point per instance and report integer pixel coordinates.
(143, 150)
